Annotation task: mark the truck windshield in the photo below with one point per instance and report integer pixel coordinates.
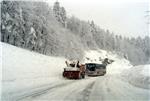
(92, 67)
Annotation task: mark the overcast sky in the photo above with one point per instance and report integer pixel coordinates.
(123, 17)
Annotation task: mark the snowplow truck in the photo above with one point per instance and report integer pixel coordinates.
(74, 70)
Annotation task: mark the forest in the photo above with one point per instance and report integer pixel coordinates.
(38, 27)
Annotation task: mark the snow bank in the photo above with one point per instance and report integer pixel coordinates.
(118, 66)
(23, 69)
(0, 70)
(139, 76)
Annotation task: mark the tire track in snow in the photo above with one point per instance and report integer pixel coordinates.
(86, 92)
(42, 90)
(76, 90)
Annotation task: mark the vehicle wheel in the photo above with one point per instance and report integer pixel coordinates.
(83, 76)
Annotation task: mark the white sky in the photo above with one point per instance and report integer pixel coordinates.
(123, 17)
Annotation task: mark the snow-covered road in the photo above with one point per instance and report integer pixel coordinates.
(77, 90)
(102, 88)
(112, 87)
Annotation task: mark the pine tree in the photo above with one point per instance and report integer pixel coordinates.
(56, 9)
(60, 13)
(63, 16)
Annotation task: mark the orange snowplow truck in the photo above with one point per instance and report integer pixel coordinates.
(74, 70)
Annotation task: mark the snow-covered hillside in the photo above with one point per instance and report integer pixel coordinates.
(27, 73)
(23, 69)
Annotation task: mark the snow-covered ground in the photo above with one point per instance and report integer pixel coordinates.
(29, 76)
(0, 71)
(139, 76)
(23, 70)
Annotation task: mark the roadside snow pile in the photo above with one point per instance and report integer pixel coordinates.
(139, 76)
(0, 71)
(117, 67)
(23, 69)
(19, 64)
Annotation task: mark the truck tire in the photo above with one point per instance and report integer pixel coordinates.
(83, 76)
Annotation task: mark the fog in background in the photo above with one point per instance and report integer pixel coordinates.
(123, 17)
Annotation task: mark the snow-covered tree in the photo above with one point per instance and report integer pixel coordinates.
(56, 9)
(60, 13)
(63, 16)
